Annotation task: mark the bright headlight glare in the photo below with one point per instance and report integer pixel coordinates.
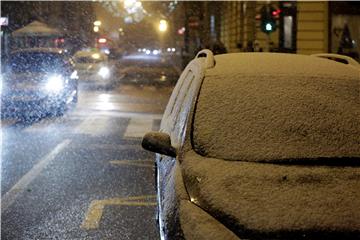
(104, 72)
(54, 83)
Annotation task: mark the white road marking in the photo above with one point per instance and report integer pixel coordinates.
(136, 163)
(112, 147)
(114, 114)
(137, 127)
(9, 197)
(92, 126)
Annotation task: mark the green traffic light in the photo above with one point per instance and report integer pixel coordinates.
(268, 20)
(268, 27)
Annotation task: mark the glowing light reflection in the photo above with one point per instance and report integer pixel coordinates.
(104, 103)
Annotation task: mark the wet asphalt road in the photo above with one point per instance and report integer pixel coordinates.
(83, 175)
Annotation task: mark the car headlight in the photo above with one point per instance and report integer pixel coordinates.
(54, 84)
(74, 75)
(104, 72)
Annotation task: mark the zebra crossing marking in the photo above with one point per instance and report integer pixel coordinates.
(136, 163)
(137, 127)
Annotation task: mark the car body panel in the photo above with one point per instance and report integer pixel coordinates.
(292, 188)
(88, 68)
(276, 200)
(169, 174)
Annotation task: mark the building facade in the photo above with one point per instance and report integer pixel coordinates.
(303, 27)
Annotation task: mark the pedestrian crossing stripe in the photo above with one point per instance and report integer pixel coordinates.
(137, 127)
(136, 163)
(93, 126)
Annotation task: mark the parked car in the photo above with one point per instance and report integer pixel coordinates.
(94, 68)
(37, 82)
(260, 146)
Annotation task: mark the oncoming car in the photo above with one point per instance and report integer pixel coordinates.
(38, 82)
(260, 146)
(93, 68)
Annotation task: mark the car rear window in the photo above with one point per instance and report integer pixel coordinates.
(244, 113)
(35, 62)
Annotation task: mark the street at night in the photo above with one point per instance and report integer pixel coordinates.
(83, 175)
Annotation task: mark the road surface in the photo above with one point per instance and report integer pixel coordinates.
(83, 175)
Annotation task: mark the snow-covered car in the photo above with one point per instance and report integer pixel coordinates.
(38, 82)
(260, 146)
(94, 68)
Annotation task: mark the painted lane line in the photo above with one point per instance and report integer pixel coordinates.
(9, 197)
(137, 127)
(96, 208)
(137, 163)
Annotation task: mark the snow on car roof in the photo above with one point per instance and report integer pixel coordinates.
(266, 107)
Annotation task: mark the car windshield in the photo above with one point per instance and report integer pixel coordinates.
(82, 82)
(35, 62)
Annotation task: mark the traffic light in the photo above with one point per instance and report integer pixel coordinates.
(268, 18)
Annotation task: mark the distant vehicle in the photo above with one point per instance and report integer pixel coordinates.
(94, 68)
(148, 66)
(260, 146)
(38, 82)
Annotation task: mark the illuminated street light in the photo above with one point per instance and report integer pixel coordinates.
(138, 4)
(102, 40)
(97, 23)
(95, 56)
(129, 3)
(163, 25)
(96, 28)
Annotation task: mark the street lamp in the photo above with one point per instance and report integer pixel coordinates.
(129, 3)
(97, 23)
(163, 25)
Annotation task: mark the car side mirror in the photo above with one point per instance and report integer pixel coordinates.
(158, 142)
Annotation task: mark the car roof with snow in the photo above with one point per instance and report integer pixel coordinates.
(274, 107)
